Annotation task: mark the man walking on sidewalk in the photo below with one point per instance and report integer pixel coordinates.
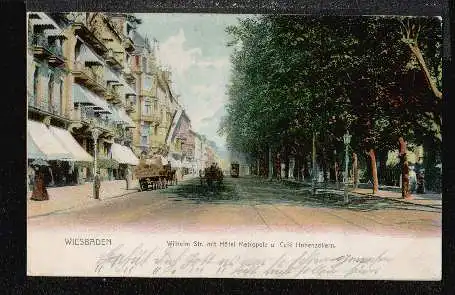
(97, 186)
(127, 178)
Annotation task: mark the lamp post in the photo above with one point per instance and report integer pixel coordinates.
(95, 134)
(346, 140)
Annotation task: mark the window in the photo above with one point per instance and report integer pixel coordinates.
(35, 83)
(155, 105)
(148, 81)
(77, 49)
(50, 90)
(138, 62)
(61, 93)
(147, 109)
(155, 130)
(145, 129)
(144, 140)
(144, 65)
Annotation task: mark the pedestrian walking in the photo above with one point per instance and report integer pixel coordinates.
(31, 178)
(97, 184)
(127, 178)
(39, 189)
(278, 167)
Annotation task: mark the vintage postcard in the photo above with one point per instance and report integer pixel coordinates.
(234, 146)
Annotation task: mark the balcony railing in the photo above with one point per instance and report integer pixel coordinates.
(115, 59)
(151, 117)
(44, 105)
(89, 77)
(87, 115)
(90, 34)
(113, 95)
(42, 48)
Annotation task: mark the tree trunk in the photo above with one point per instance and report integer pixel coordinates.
(431, 83)
(374, 171)
(405, 193)
(257, 168)
(313, 170)
(355, 170)
(336, 168)
(270, 164)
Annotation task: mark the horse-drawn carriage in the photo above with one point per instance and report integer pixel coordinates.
(155, 173)
(235, 169)
(212, 174)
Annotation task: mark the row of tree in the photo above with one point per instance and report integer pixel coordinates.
(299, 79)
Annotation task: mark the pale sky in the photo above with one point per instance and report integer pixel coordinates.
(194, 47)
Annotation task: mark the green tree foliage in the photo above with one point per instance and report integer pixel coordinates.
(293, 76)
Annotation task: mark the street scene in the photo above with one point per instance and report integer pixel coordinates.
(191, 123)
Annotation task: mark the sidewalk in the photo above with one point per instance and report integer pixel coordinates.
(80, 196)
(428, 199)
(77, 196)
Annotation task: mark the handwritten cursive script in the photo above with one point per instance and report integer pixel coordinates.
(191, 261)
(121, 262)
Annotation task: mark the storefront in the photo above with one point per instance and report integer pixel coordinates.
(125, 157)
(59, 149)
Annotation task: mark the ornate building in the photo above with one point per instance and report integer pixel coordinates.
(80, 92)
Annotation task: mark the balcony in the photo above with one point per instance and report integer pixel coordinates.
(43, 49)
(88, 77)
(113, 95)
(128, 43)
(145, 92)
(87, 116)
(128, 74)
(114, 59)
(129, 106)
(90, 35)
(154, 118)
(124, 135)
(43, 106)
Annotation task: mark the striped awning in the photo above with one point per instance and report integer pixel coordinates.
(124, 155)
(120, 116)
(82, 95)
(87, 55)
(127, 119)
(110, 76)
(45, 142)
(33, 152)
(126, 89)
(71, 145)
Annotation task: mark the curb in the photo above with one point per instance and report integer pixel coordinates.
(370, 195)
(80, 207)
(402, 201)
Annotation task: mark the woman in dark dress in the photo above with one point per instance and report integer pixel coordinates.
(39, 190)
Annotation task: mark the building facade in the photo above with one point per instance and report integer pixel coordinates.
(79, 94)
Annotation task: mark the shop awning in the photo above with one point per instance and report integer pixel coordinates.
(33, 152)
(109, 75)
(126, 89)
(86, 97)
(68, 141)
(87, 55)
(125, 118)
(133, 159)
(124, 155)
(120, 116)
(46, 142)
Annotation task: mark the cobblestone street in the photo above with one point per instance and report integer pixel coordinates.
(244, 204)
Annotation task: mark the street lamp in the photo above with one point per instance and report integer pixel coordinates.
(95, 134)
(346, 140)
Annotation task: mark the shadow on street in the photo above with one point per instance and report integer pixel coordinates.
(256, 191)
